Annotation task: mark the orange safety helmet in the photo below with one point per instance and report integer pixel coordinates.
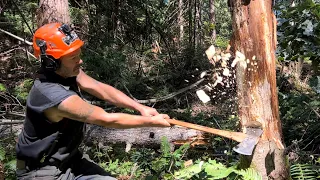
(56, 40)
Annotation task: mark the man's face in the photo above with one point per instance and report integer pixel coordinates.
(70, 64)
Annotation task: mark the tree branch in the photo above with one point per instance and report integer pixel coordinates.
(8, 122)
(169, 95)
(16, 114)
(312, 109)
(17, 37)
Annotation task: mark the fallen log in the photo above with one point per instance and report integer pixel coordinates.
(142, 137)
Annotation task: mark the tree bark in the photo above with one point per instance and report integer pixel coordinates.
(190, 23)
(84, 26)
(139, 137)
(254, 36)
(197, 25)
(181, 22)
(53, 11)
(212, 18)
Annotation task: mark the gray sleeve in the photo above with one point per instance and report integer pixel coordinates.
(46, 95)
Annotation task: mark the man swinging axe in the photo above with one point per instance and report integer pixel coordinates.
(56, 114)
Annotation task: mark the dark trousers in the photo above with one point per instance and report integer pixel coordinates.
(80, 169)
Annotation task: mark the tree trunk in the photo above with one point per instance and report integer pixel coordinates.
(197, 26)
(180, 22)
(190, 23)
(53, 11)
(254, 35)
(316, 66)
(141, 137)
(84, 26)
(212, 18)
(115, 20)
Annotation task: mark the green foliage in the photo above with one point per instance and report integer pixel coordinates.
(165, 147)
(144, 158)
(77, 15)
(120, 168)
(303, 172)
(163, 165)
(22, 90)
(2, 153)
(12, 15)
(299, 118)
(108, 67)
(11, 165)
(7, 157)
(169, 165)
(215, 170)
(223, 19)
(299, 31)
(221, 42)
(249, 174)
(2, 88)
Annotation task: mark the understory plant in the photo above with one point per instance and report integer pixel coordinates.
(171, 164)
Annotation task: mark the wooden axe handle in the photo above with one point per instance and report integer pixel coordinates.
(236, 136)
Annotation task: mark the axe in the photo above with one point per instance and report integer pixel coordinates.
(247, 140)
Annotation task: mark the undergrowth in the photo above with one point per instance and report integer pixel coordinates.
(169, 165)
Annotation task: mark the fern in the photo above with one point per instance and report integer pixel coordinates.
(189, 172)
(303, 172)
(165, 147)
(249, 174)
(215, 170)
(11, 165)
(2, 153)
(182, 149)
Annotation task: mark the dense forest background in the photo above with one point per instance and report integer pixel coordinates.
(157, 53)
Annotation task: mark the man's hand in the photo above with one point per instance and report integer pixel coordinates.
(160, 119)
(148, 111)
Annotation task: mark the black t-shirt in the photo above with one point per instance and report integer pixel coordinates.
(38, 135)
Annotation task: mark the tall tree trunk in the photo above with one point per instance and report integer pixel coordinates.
(212, 18)
(84, 26)
(180, 22)
(195, 22)
(197, 27)
(53, 11)
(190, 23)
(200, 4)
(254, 35)
(115, 20)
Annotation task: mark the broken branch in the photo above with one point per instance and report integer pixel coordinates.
(170, 95)
(17, 37)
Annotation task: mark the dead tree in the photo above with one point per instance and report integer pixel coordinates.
(254, 37)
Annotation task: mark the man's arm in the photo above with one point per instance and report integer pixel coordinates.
(75, 108)
(111, 94)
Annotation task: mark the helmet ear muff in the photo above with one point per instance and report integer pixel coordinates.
(47, 61)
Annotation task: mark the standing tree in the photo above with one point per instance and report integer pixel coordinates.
(53, 11)
(212, 18)
(254, 36)
(181, 21)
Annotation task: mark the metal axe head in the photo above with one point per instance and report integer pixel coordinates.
(247, 145)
